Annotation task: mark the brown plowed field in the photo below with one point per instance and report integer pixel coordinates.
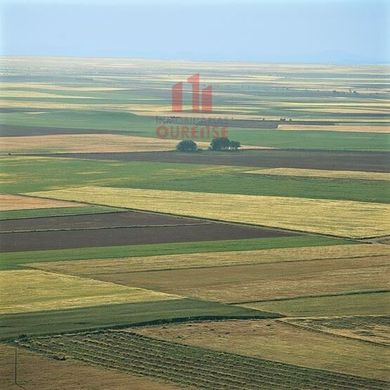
(96, 221)
(141, 234)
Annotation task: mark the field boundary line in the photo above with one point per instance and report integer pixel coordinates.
(62, 215)
(318, 331)
(102, 228)
(30, 265)
(347, 293)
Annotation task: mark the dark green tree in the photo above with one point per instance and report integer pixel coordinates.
(234, 145)
(223, 143)
(220, 143)
(187, 145)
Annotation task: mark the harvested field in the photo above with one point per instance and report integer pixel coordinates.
(248, 283)
(374, 303)
(352, 128)
(275, 340)
(38, 372)
(351, 175)
(375, 329)
(84, 143)
(332, 217)
(97, 221)
(190, 366)
(211, 259)
(28, 291)
(16, 202)
(265, 158)
(100, 237)
(120, 315)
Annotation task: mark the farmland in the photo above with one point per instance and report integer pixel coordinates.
(82, 143)
(323, 173)
(371, 328)
(358, 303)
(127, 264)
(28, 291)
(212, 259)
(68, 375)
(338, 218)
(10, 202)
(261, 282)
(120, 315)
(117, 229)
(189, 366)
(278, 341)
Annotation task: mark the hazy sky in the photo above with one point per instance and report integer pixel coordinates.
(333, 31)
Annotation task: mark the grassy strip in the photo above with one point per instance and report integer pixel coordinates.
(56, 212)
(13, 260)
(338, 294)
(119, 315)
(376, 303)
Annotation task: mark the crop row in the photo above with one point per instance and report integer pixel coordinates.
(193, 366)
(251, 364)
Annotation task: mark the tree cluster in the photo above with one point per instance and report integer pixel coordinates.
(224, 144)
(217, 144)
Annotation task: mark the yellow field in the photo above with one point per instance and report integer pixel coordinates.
(282, 342)
(86, 143)
(212, 259)
(353, 128)
(322, 173)
(15, 202)
(333, 217)
(30, 290)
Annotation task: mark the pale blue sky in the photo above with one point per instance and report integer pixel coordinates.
(319, 31)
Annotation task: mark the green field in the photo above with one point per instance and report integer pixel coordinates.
(119, 122)
(119, 316)
(14, 260)
(39, 174)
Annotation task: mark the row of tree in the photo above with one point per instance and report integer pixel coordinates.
(217, 144)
